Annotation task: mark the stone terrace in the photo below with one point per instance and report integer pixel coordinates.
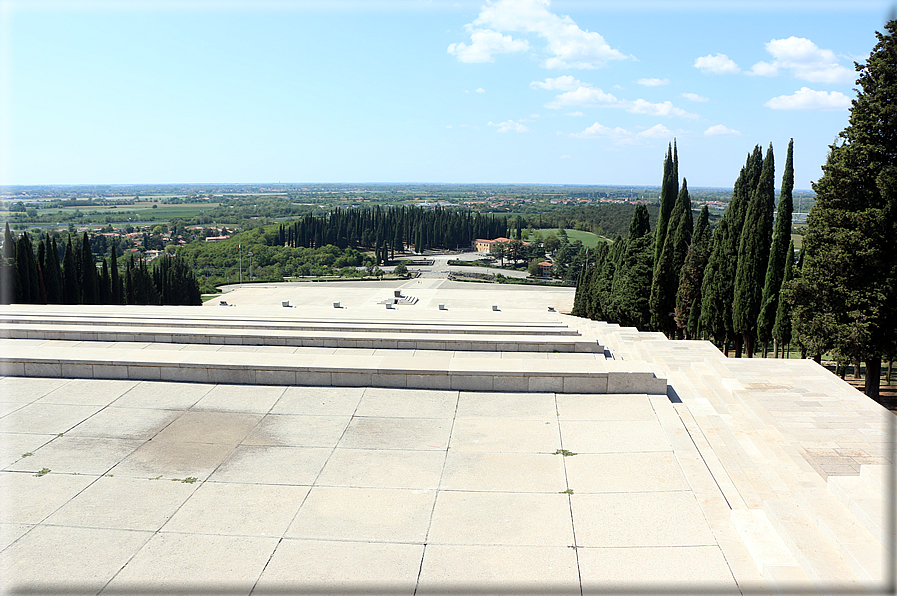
(741, 477)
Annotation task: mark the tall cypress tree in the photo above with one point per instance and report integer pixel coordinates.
(665, 281)
(51, 272)
(781, 329)
(28, 281)
(688, 297)
(116, 290)
(71, 293)
(88, 269)
(753, 255)
(8, 268)
(775, 270)
(718, 286)
(669, 189)
(633, 276)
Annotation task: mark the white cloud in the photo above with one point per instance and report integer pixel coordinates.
(599, 130)
(480, 90)
(575, 114)
(653, 82)
(564, 157)
(658, 131)
(582, 96)
(805, 60)
(764, 69)
(484, 43)
(640, 106)
(569, 45)
(509, 126)
(719, 130)
(564, 83)
(695, 97)
(716, 64)
(808, 99)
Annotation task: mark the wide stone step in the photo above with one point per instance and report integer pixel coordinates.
(817, 557)
(331, 337)
(306, 366)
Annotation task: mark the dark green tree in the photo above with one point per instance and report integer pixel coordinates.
(669, 190)
(116, 290)
(633, 276)
(781, 330)
(88, 269)
(665, 280)
(52, 274)
(8, 268)
(70, 290)
(688, 297)
(753, 255)
(847, 292)
(718, 286)
(28, 287)
(775, 270)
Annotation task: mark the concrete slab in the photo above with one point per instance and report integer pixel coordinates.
(125, 423)
(624, 472)
(298, 431)
(407, 403)
(77, 560)
(515, 519)
(41, 418)
(173, 459)
(29, 499)
(238, 509)
(239, 398)
(271, 465)
(334, 567)
(651, 571)
(532, 406)
(77, 455)
(15, 446)
(505, 436)
(604, 407)
(640, 519)
(397, 433)
(27, 390)
(124, 503)
(209, 427)
(613, 436)
(190, 562)
(168, 395)
(319, 401)
(451, 568)
(394, 468)
(88, 392)
(364, 514)
(506, 472)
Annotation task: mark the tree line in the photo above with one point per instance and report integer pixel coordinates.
(388, 229)
(743, 285)
(68, 274)
(688, 283)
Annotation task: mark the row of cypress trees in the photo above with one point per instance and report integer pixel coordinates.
(686, 282)
(392, 228)
(29, 278)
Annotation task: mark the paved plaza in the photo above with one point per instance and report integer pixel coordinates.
(722, 476)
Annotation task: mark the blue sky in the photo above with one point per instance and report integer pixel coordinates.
(506, 91)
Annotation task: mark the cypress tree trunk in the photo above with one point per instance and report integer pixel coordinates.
(873, 377)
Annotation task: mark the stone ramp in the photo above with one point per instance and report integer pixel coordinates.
(802, 461)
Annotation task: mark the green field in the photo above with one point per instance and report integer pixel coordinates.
(587, 238)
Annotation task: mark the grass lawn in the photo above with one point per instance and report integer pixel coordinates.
(587, 238)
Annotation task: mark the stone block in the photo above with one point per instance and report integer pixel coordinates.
(190, 374)
(387, 380)
(145, 373)
(12, 369)
(350, 379)
(472, 382)
(590, 384)
(510, 383)
(313, 378)
(110, 371)
(237, 376)
(77, 370)
(547, 384)
(275, 376)
(434, 381)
